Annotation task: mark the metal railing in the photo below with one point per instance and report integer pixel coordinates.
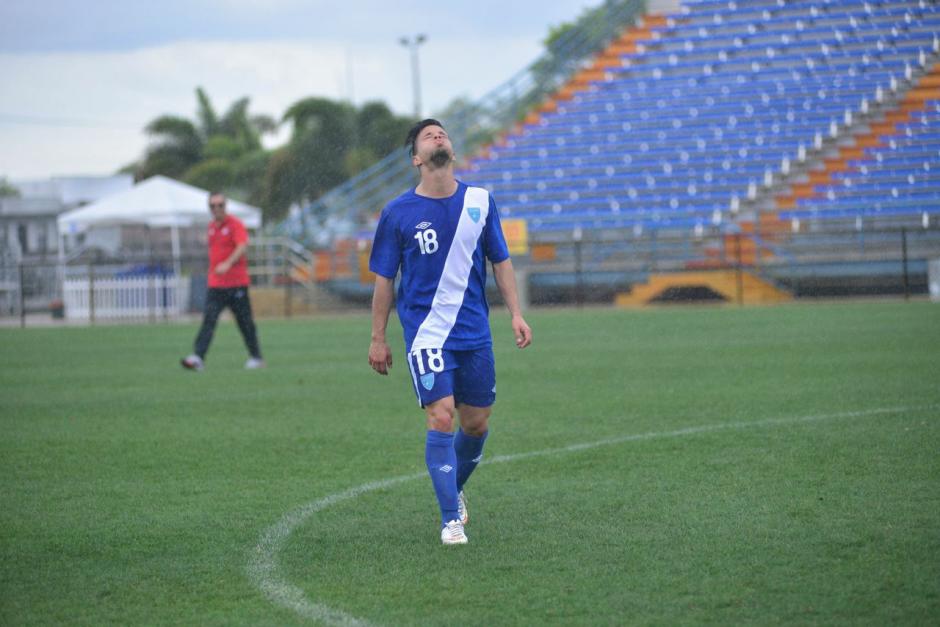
(825, 263)
(144, 288)
(593, 267)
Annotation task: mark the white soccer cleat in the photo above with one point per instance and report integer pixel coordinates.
(452, 533)
(462, 508)
(193, 362)
(254, 363)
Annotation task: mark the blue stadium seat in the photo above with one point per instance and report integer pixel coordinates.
(702, 112)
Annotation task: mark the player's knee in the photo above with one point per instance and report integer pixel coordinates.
(477, 430)
(475, 422)
(440, 422)
(440, 417)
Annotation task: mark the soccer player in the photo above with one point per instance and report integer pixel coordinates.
(440, 235)
(228, 285)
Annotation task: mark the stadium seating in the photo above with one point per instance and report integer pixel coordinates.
(687, 119)
(782, 136)
(897, 176)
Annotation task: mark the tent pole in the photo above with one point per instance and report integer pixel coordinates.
(175, 242)
(60, 266)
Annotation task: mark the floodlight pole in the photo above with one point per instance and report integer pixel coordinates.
(412, 45)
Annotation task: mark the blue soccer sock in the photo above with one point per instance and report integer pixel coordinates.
(469, 451)
(442, 466)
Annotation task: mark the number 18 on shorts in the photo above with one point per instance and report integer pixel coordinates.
(470, 376)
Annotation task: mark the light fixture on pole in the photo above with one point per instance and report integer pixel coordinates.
(412, 45)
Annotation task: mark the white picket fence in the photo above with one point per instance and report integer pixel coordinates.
(156, 296)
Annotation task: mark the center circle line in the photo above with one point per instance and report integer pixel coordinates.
(262, 568)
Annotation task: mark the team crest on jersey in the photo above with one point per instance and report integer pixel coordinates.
(423, 225)
(474, 213)
(427, 380)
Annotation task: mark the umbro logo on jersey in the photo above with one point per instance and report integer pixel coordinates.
(423, 225)
(446, 468)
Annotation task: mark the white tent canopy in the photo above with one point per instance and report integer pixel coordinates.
(158, 202)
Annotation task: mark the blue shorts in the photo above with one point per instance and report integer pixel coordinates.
(468, 376)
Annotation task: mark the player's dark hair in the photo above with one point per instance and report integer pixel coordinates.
(416, 130)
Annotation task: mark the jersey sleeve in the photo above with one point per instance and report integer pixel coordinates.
(386, 248)
(239, 233)
(494, 242)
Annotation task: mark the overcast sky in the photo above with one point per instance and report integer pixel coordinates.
(80, 79)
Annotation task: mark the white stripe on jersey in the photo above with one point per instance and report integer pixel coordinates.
(456, 274)
(414, 379)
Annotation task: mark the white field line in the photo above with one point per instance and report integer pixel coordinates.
(262, 561)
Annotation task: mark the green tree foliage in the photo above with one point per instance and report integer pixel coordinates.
(569, 44)
(471, 125)
(330, 141)
(177, 146)
(213, 174)
(7, 190)
(211, 151)
(380, 130)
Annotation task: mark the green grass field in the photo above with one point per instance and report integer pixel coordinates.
(741, 466)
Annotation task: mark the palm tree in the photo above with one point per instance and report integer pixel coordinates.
(314, 159)
(177, 146)
(212, 152)
(7, 190)
(330, 142)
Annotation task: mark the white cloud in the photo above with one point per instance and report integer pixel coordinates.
(85, 112)
(78, 82)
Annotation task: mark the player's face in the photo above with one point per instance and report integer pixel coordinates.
(433, 147)
(217, 207)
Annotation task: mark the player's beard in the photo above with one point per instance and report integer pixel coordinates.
(440, 157)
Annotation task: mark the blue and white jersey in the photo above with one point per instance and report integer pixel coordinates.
(441, 246)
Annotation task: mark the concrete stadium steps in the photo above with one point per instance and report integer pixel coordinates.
(732, 286)
(566, 163)
(607, 60)
(916, 99)
(754, 244)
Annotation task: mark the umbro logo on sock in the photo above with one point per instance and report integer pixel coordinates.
(476, 460)
(446, 468)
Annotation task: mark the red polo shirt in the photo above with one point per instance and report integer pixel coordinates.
(224, 238)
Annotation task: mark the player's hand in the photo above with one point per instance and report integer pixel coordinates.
(223, 267)
(380, 357)
(522, 331)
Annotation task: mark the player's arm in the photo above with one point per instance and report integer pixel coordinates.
(380, 355)
(225, 266)
(506, 281)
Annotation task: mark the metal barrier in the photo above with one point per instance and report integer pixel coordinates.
(144, 288)
(558, 268)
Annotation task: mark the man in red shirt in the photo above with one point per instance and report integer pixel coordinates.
(228, 285)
